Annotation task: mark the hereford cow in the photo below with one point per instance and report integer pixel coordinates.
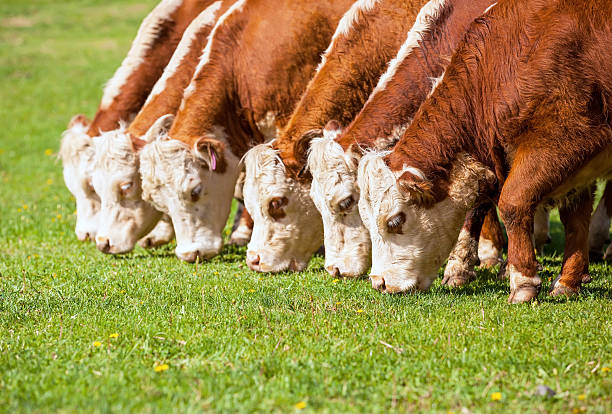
(123, 97)
(287, 226)
(521, 116)
(124, 215)
(599, 230)
(333, 158)
(258, 60)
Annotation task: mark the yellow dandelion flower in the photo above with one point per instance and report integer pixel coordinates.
(338, 303)
(161, 368)
(59, 216)
(301, 405)
(49, 181)
(496, 396)
(25, 207)
(251, 290)
(335, 281)
(605, 370)
(359, 310)
(582, 397)
(19, 210)
(48, 151)
(97, 344)
(114, 335)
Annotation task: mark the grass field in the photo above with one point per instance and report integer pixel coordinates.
(84, 332)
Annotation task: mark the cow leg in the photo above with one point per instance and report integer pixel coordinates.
(575, 217)
(599, 231)
(460, 266)
(541, 229)
(243, 227)
(608, 255)
(517, 205)
(491, 240)
(161, 234)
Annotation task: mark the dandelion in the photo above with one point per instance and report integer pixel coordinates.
(359, 310)
(335, 281)
(605, 370)
(301, 405)
(49, 181)
(161, 368)
(496, 396)
(48, 152)
(338, 303)
(59, 216)
(251, 290)
(25, 206)
(114, 336)
(97, 344)
(582, 397)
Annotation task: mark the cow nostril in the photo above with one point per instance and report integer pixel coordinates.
(103, 244)
(254, 261)
(333, 270)
(378, 283)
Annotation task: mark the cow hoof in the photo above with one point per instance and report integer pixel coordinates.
(457, 274)
(559, 289)
(523, 294)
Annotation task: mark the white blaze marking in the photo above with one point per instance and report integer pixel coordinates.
(204, 19)
(147, 33)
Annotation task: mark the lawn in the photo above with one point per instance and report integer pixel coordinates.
(85, 332)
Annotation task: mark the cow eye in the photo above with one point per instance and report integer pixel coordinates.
(275, 207)
(346, 204)
(195, 193)
(125, 187)
(395, 223)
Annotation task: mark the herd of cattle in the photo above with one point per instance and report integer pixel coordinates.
(390, 131)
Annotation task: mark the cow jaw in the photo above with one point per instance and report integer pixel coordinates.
(77, 153)
(287, 227)
(335, 194)
(196, 196)
(124, 216)
(411, 242)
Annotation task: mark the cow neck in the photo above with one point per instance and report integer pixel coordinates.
(391, 108)
(348, 74)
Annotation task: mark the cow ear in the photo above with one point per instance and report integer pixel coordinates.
(332, 129)
(415, 187)
(159, 128)
(79, 119)
(212, 152)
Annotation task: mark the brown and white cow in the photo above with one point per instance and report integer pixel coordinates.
(333, 158)
(287, 226)
(521, 116)
(124, 215)
(123, 97)
(256, 64)
(599, 230)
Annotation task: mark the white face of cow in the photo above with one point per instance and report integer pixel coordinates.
(335, 192)
(77, 153)
(410, 241)
(124, 216)
(194, 186)
(287, 227)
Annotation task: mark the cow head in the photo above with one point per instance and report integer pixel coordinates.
(77, 153)
(412, 230)
(335, 192)
(124, 216)
(287, 227)
(193, 185)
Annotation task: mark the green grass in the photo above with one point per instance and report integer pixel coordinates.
(234, 340)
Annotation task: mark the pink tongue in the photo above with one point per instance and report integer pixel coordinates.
(213, 161)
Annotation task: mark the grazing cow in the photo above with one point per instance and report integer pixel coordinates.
(124, 215)
(287, 226)
(599, 230)
(521, 116)
(123, 97)
(333, 158)
(256, 64)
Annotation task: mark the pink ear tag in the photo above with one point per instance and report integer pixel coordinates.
(213, 159)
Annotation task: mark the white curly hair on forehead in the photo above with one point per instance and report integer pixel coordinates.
(263, 161)
(75, 142)
(114, 149)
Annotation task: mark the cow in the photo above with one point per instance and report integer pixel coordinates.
(520, 117)
(124, 215)
(123, 97)
(257, 62)
(333, 158)
(599, 230)
(287, 226)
